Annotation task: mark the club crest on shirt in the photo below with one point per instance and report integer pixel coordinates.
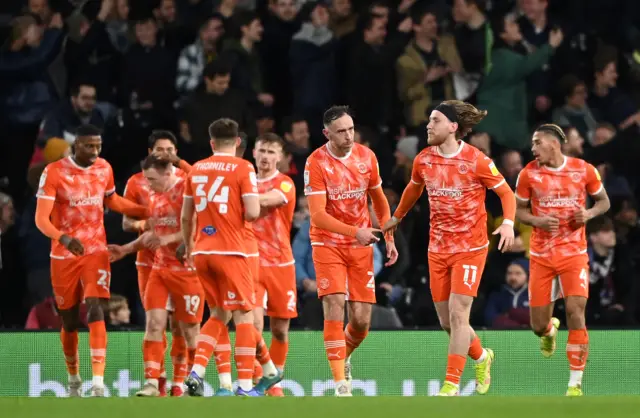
(323, 284)
(362, 168)
(463, 168)
(576, 177)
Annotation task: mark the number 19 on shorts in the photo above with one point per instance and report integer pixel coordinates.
(216, 194)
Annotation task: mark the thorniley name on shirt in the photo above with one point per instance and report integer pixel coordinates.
(218, 166)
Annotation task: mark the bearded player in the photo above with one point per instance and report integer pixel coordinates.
(339, 178)
(456, 176)
(557, 187)
(137, 190)
(70, 211)
(276, 289)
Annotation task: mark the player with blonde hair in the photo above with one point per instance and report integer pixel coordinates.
(456, 175)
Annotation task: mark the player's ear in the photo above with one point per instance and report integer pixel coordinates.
(213, 145)
(325, 132)
(238, 141)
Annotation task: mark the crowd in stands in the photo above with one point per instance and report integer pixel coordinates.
(132, 66)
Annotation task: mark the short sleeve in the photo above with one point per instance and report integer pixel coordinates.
(594, 181)
(375, 181)
(48, 184)
(415, 172)
(188, 194)
(488, 173)
(523, 186)
(287, 189)
(111, 185)
(313, 181)
(248, 181)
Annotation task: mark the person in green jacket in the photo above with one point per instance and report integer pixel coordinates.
(503, 91)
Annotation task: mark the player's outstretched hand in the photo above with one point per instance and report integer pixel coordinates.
(548, 223)
(391, 225)
(392, 253)
(366, 236)
(506, 237)
(72, 244)
(116, 252)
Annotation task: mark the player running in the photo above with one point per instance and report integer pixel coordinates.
(557, 187)
(456, 175)
(172, 286)
(339, 177)
(222, 193)
(70, 211)
(137, 190)
(276, 291)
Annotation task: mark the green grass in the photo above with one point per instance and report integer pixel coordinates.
(327, 407)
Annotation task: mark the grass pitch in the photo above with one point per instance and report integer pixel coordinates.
(325, 407)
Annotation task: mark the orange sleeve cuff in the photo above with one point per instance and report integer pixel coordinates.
(409, 198)
(121, 205)
(184, 166)
(44, 208)
(321, 219)
(508, 201)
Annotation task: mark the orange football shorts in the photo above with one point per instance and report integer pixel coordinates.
(78, 278)
(456, 273)
(177, 291)
(345, 270)
(277, 291)
(227, 281)
(555, 277)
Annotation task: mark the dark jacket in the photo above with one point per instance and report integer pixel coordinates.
(508, 308)
(27, 90)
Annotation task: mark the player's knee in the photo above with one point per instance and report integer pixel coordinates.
(360, 323)
(279, 333)
(155, 325)
(95, 310)
(458, 319)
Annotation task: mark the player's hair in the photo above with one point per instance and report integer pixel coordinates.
(116, 302)
(599, 224)
(224, 131)
(159, 134)
(87, 130)
(271, 138)
(155, 161)
(244, 142)
(467, 114)
(606, 125)
(553, 130)
(219, 67)
(333, 113)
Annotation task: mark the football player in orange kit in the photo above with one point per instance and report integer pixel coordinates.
(137, 190)
(70, 211)
(339, 178)
(222, 193)
(456, 176)
(557, 188)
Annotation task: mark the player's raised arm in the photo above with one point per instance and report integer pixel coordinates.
(121, 205)
(410, 196)
(316, 193)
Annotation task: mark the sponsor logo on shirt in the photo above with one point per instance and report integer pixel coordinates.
(443, 191)
(167, 221)
(86, 201)
(559, 202)
(340, 193)
(209, 230)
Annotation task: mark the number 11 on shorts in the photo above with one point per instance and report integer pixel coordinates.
(470, 275)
